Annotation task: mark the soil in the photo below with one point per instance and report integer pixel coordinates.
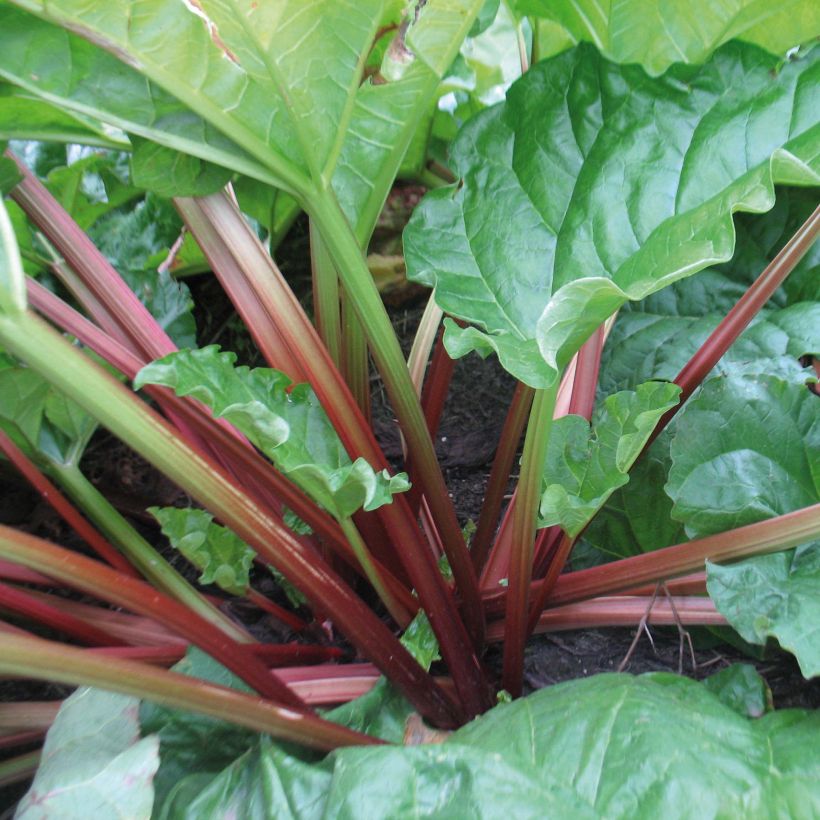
(466, 440)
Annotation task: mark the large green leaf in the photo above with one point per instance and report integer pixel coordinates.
(655, 346)
(308, 57)
(94, 763)
(193, 744)
(586, 465)
(24, 116)
(385, 116)
(77, 76)
(638, 516)
(169, 173)
(286, 422)
(659, 34)
(774, 596)
(745, 449)
(590, 733)
(223, 557)
(594, 184)
(566, 751)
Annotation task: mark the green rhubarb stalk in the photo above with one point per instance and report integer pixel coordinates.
(355, 361)
(45, 660)
(399, 613)
(326, 304)
(384, 346)
(139, 552)
(533, 460)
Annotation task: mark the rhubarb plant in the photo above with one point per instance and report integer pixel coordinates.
(629, 230)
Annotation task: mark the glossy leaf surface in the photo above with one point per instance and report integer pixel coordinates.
(594, 184)
(565, 751)
(742, 688)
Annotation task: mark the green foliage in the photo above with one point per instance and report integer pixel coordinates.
(565, 751)
(585, 466)
(774, 596)
(420, 640)
(40, 419)
(747, 448)
(94, 762)
(224, 558)
(286, 422)
(169, 173)
(740, 687)
(659, 34)
(555, 222)
(594, 185)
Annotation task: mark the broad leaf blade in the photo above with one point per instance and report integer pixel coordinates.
(559, 218)
(659, 34)
(746, 448)
(65, 70)
(741, 687)
(385, 116)
(774, 596)
(566, 751)
(38, 418)
(309, 53)
(585, 466)
(591, 732)
(24, 116)
(86, 772)
(287, 423)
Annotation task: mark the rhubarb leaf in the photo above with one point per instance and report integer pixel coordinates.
(774, 596)
(80, 77)
(38, 418)
(590, 733)
(585, 466)
(646, 346)
(170, 173)
(286, 422)
(24, 116)
(385, 116)
(638, 516)
(224, 558)
(659, 34)
(741, 687)
(565, 751)
(746, 448)
(556, 221)
(192, 744)
(94, 763)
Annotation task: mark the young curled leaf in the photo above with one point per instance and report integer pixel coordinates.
(224, 558)
(286, 422)
(586, 465)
